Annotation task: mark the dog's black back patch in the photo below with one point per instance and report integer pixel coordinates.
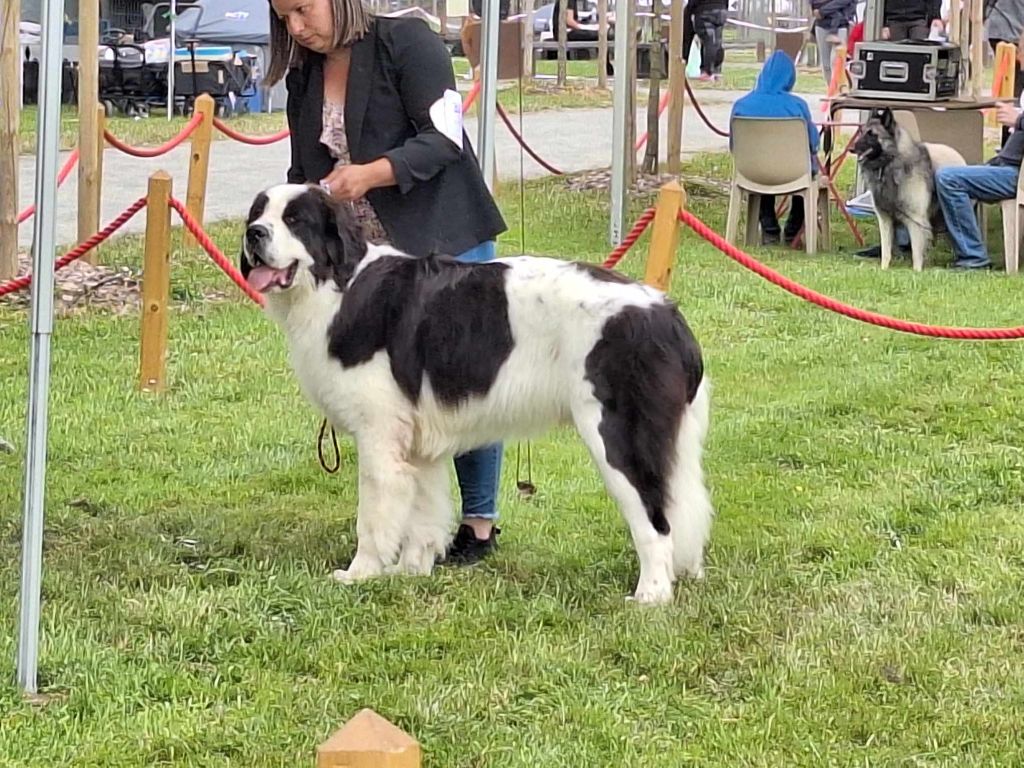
(434, 316)
(645, 369)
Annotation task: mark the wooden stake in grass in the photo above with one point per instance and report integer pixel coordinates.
(199, 164)
(677, 88)
(156, 284)
(10, 101)
(369, 741)
(661, 254)
(88, 99)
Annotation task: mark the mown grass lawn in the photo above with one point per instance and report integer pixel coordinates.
(863, 598)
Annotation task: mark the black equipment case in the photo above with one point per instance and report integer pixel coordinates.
(918, 70)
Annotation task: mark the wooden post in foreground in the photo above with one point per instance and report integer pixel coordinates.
(88, 99)
(661, 254)
(369, 741)
(10, 101)
(156, 284)
(199, 164)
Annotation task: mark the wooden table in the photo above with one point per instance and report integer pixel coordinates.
(956, 122)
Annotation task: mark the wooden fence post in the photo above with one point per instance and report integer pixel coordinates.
(199, 163)
(369, 741)
(156, 284)
(677, 88)
(10, 118)
(661, 254)
(88, 99)
(101, 145)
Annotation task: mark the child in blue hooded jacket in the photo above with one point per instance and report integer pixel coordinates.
(771, 97)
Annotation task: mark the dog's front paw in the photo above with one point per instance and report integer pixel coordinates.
(654, 593)
(359, 570)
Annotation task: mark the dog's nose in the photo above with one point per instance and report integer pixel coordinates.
(255, 237)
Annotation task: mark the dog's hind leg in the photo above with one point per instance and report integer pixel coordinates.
(919, 239)
(387, 487)
(653, 547)
(429, 529)
(886, 234)
(689, 509)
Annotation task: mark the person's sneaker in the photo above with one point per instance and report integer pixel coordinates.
(467, 549)
(770, 239)
(874, 252)
(970, 266)
(705, 77)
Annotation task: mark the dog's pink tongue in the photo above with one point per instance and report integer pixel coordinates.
(262, 277)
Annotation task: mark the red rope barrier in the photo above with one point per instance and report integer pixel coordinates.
(872, 318)
(20, 283)
(543, 163)
(257, 141)
(65, 171)
(707, 122)
(634, 234)
(155, 151)
(474, 91)
(214, 252)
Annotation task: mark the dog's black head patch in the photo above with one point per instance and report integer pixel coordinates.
(877, 140)
(296, 234)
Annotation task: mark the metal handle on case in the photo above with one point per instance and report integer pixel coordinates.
(894, 72)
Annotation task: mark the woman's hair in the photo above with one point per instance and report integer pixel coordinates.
(351, 22)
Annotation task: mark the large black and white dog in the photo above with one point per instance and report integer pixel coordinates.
(420, 359)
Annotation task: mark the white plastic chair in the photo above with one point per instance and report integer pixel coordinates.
(1012, 210)
(771, 156)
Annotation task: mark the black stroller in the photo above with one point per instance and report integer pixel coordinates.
(127, 84)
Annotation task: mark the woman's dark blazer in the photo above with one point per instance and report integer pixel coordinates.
(398, 70)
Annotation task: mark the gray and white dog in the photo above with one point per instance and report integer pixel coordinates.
(900, 173)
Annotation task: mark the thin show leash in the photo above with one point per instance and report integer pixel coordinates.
(526, 487)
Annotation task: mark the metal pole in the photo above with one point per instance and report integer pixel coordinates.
(620, 126)
(488, 89)
(170, 60)
(44, 236)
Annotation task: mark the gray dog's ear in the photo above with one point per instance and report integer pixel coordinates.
(887, 119)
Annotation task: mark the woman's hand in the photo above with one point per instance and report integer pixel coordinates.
(351, 182)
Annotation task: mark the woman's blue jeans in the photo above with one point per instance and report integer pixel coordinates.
(479, 470)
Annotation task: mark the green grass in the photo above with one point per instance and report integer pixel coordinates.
(863, 598)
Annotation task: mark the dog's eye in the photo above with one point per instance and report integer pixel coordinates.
(290, 219)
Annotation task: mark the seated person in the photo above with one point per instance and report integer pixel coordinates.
(771, 97)
(575, 30)
(994, 181)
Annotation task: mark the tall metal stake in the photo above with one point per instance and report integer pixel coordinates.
(490, 23)
(44, 236)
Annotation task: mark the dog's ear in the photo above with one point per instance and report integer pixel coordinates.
(345, 244)
(887, 119)
(259, 204)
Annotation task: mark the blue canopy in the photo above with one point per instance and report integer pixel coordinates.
(235, 22)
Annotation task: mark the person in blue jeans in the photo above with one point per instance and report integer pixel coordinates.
(363, 98)
(771, 97)
(996, 180)
(479, 475)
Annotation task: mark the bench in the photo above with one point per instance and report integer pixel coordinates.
(571, 45)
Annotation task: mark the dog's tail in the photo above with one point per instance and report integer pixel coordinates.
(689, 510)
